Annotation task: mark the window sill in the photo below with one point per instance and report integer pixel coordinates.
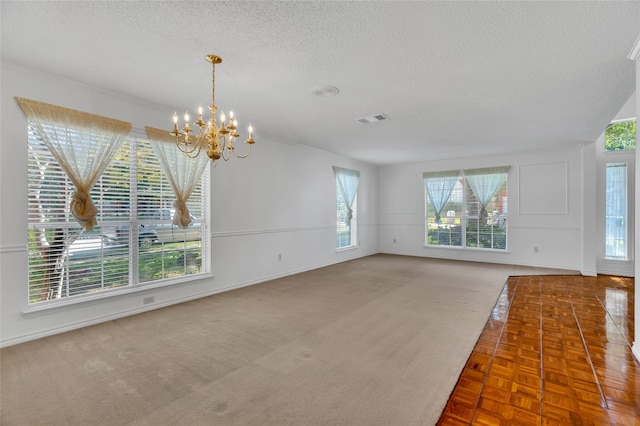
(478, 249)
(616, 261)
(341, 249)
(42, 308)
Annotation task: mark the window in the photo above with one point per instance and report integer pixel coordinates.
(620, 136)
(346, 207)
(616, 211)
(135, 242)
(467, 208)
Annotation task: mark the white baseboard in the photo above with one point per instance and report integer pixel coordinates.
(174, 301)
(636, 350)
(604, 270)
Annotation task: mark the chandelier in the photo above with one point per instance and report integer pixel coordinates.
(219, 140)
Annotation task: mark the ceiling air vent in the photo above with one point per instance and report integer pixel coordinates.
(372, 119)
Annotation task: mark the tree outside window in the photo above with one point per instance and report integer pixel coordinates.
(620, 136)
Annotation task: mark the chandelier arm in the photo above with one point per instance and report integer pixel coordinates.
(185, 148)
(195, 153)
(197, 147)
(245, 155)
(225, 148)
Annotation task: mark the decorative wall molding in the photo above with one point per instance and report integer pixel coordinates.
(544, 189)
(545, 227)
(18, 248)
(269, 231)
(23, 247)
(278, 230)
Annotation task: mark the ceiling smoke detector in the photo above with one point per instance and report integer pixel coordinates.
(372, 118)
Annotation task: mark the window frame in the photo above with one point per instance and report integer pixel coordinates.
(132, 220)
(628, 238)
(462, 190)
(341, 203)
(615, 123)
(353, 226)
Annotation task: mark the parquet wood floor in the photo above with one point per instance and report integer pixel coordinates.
(556, 350)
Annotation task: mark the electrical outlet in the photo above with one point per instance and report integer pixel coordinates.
(279, 256)
(148, 299)
(394, 241)
(536, 249)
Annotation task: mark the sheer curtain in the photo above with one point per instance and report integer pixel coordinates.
(182, 171)
(485, 184)
(616, 211)
(439, 186)
(348, 183)
(83, 144)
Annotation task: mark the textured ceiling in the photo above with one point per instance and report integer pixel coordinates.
(455, 78)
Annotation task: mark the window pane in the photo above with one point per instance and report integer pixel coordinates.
(64, 260)
(346, 194)
(166, 250)
(343, 235)
(467, 218)
(486, 227)
(93, 265)
(447, 231)
(620, 136)
(135, 211)
(616, 212)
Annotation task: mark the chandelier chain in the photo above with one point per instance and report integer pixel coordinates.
(213, 84)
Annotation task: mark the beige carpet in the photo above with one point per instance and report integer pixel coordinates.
(374, 341)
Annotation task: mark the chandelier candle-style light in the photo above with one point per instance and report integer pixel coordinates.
(218, 140)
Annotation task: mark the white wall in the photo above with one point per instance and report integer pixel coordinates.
(280, 200)
(550, 206)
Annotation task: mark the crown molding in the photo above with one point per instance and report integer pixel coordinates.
(634, 54)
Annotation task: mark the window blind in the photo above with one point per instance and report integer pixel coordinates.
(467, 208)
(64, 260)
(135, 242)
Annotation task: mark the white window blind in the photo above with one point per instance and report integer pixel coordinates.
(166, 250)
(467, 208)
(135, 242)
(64, 260)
